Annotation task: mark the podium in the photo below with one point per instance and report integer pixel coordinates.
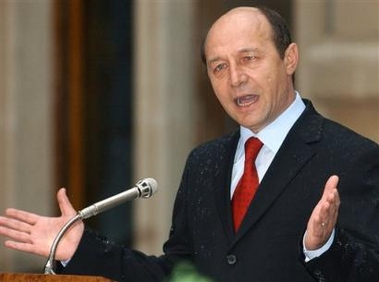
(29, 277)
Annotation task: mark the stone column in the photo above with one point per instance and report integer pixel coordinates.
(165, 112)
(26, 165)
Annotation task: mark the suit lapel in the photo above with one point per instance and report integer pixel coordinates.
(291, 157)
(222, 184)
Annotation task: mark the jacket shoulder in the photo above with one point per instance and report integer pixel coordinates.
(216, 146)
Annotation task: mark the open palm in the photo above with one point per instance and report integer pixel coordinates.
(324, 216)
(32, 233)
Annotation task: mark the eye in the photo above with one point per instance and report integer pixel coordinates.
(249, 58)
(218, 68)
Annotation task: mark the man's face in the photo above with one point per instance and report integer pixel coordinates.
(249, 78)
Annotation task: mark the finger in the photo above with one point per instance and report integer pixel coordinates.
(331, 204)
(334, 197)
(23, 247)
(329, 213)
(21, 215)
(325, 215)
(330, 184)
(64, 203)
(15, 224)
(16, 235)
(334, 202)
(319, 223)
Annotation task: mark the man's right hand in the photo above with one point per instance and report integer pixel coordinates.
(32, 233)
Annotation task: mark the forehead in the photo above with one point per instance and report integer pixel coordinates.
(240, 28)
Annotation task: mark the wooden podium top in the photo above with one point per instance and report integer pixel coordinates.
(29, 277)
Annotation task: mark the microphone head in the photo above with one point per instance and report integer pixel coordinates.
(148, 187)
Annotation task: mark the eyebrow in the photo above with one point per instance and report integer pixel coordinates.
(213, 60)
(241, 51)
(247, 50)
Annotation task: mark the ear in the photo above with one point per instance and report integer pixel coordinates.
(291, 58)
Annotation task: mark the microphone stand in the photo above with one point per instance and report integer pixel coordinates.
(50, 265)
(144, 189)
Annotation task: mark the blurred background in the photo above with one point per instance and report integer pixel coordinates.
(97, 94)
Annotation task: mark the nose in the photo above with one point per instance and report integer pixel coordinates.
(237, 75)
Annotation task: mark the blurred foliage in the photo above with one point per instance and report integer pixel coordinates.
(186, 272)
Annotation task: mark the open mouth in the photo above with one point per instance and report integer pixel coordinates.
(246, 100)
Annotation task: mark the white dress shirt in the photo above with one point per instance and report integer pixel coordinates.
(272, 137)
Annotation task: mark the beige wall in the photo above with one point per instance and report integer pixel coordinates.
(339, 51)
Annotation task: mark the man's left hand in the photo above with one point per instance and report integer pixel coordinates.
(324, 216)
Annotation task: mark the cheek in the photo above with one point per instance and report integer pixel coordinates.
(273, 83)
(219, 89)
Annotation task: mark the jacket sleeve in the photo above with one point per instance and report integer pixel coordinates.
(346, 261)
(354, 254)
(97, 256)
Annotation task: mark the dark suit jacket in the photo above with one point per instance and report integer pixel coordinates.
(267, 247)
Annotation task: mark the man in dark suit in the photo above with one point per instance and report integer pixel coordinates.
(298, 227)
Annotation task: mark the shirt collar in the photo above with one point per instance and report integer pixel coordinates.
(273, 135)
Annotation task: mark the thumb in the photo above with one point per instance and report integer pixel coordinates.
(64, 203)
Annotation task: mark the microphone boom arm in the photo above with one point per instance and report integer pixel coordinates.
(49, 266)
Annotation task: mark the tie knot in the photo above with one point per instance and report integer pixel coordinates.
(252, 147)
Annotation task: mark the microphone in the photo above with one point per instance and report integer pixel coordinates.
(145, 188)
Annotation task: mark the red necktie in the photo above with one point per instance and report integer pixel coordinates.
(248, 184)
